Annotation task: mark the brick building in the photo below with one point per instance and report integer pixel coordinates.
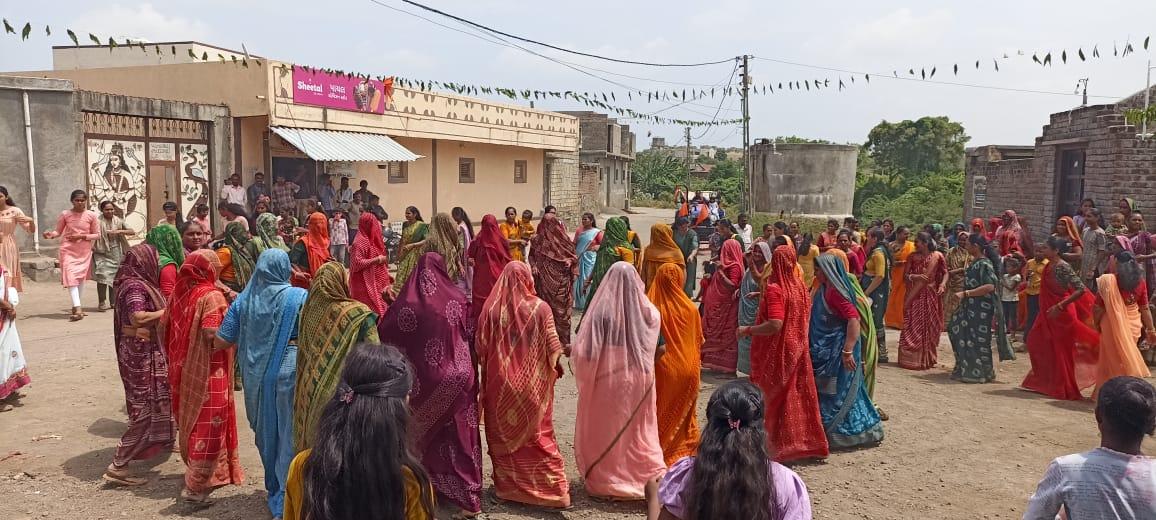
(1086, 152)
(609, 145)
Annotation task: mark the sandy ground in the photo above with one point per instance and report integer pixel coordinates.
(951, 450)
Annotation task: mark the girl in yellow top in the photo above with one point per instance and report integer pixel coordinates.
(512, 231)
(360, 465)
(807, 253)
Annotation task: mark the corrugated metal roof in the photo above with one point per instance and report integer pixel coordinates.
(332, 145)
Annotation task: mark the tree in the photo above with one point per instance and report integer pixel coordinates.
(656, 173)
(906, 151)
(720, 155)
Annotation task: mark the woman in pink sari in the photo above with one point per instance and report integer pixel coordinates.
(616, 432)
(721, 311)
(926, 276)
(520, 356)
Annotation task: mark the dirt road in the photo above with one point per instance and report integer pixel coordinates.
(951, 450)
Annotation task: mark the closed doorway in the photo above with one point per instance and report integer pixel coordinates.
(1071, 181)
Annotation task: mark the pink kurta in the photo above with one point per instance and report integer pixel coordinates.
(9, 253)
(76, 255)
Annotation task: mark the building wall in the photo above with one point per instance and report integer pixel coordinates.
(808, 179)
(613, 184)
(56, 145)
(588, 186)
(564, 185)
(253, 131)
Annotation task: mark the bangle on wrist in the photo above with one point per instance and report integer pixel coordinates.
(846, 352)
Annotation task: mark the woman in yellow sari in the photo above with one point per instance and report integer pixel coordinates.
(901, 248)
(413, 235)
(661, 250)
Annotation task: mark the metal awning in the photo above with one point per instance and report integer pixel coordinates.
(332, 145)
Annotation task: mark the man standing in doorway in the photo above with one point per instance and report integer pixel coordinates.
(233, 192)
(257, 190)
(327, 195)
(364, 192)
(281, 195)
(344, 195)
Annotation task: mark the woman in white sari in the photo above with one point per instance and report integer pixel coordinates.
(13, 369)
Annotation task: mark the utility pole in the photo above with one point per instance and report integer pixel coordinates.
(686, 160)
(745, 77)
(1083, 83)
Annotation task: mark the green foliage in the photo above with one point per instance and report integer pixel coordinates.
(655, 174)
(794, 139)
(1138, 116)
(727, 179)
(720, 155)
(937, 198)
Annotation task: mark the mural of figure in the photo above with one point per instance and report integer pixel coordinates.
(116, 174)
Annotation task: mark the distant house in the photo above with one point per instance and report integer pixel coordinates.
(1086, 152)
(700, 171)
(609, 145)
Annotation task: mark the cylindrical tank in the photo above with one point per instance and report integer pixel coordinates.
(804, 179)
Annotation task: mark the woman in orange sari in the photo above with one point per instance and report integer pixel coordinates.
(720, 351)
(661, 250)
(901, 248)
(521, 357)
(1121, 313)
(202, 379)
(781, 364)
(1062, 346)
(309, 253)
(678, 371)
(616, 441)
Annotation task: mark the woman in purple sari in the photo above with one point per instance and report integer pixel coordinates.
(428, 322)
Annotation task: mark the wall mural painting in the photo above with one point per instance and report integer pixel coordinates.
(194, 177)
(116, 172)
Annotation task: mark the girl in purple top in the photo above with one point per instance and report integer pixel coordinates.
(732, 462)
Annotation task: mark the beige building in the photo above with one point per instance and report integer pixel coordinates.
(429, 150)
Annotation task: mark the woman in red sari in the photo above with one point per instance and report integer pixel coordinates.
(201, 379)
(721, 311)
(521, 357)
(781, 364)
(369, 277)
(488, 255)
(926, 276)
(555, 265)
(1061, 345)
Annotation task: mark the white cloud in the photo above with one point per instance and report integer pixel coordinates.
(899, 30)
(141, 21)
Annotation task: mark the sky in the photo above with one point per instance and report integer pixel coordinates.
(878, 37)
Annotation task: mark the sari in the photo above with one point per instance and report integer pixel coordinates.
(688, 244)
(13, 366)
(108, 251)
(1063, 349)
(316, 242)
(894, 316)
(518, 350)
(144, 368)
(236, 241)
(661, 250)
(1120, 329)
(957, 258)
(781, 366)
(411, 233)
(849, 417)
(753, 283)
(465, 238)
(1142, 245)
(1010, 237)
(586, 261)
(870, 335)
(971, 327)
(616, 442)
(368, 279)
(262, 322)
(721, 311)
(615, 247)
(923, 313)
(331, 323)
(443, 240)
(678, 372)
(512, 232)
(555, 266)
(267, 237)
(490, 254)
(201, 378)
(167, 241)
(635, 244)
(428, 323)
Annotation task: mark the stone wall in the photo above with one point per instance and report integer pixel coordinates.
(1001, 185)
(806, 179)
(563, 191)
(588, 187)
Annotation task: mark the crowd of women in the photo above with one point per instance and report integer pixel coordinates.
(361, 384)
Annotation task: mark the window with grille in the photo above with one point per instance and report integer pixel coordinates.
(396, 172)
(519, 172)
(466, 170)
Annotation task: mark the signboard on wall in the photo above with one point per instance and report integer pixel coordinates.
(319, 88)
(163, 152)
(979, 192)
(340, 169)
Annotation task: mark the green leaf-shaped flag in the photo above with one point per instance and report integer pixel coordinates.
(955, 70)
(111, 44)
(1048, 59)
(72, 36)
(27, 30)
(1037, 59)
(1080, 53)
(867, 77)
(205, 56)
(8, 27)
(923, 73)
(192, 55)
(47, 31)
(996, 63)
(1095, 51)
(1064, 56)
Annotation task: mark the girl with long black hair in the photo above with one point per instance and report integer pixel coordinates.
(733, 475)
(360, 465)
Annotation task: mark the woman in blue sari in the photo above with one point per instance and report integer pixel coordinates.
(262, 322)
(585, 245)
(750, 294)
(849, 416)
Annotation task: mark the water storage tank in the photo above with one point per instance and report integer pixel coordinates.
(804, 179)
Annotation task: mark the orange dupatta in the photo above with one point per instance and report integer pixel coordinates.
(678, 371)
(893, 318)
(661, 250)
(317, 241)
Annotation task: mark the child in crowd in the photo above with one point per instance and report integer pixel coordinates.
(360, 465)
(526, 230)
(1009, 284)
(288, 226)
(202, 216)
(339, 237)
(733, 475)
(1031, 287)
(1115, 480)
(1118, 226)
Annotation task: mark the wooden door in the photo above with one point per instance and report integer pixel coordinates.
(162, 187)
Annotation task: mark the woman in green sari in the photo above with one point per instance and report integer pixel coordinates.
(236, 264)
(170, 254)
(267, 237)
(332, 322)
(615, 247)
(413, 235)
(970, 329)
(687, 240)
